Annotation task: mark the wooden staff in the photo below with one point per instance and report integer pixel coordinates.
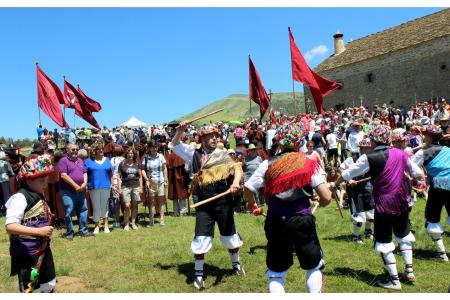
(339, 207)
(202, 116)
(362, 180)
(210, 199)
(315, 207)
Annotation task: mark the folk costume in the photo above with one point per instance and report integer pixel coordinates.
(288, 180)
(361, 200)
(436, 160)
(178, 179)
(387, 167)
(214, 173)
(31, 256)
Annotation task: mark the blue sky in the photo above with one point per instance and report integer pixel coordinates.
(160, 63)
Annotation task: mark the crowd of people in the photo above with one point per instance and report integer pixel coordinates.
(373, 161)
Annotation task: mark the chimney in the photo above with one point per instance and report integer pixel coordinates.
(339, 46)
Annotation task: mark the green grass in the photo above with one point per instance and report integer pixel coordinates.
(237, 107)
(159, 259)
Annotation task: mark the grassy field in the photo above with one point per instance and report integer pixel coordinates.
(237, 107)
(158, 259)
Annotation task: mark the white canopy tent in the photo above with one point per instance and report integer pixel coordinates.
(133, 122)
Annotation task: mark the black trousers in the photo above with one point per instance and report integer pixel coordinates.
(437, 198)
(208, 214)
(384, 225)
(284, 236)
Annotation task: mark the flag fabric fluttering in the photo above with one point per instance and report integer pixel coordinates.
(92, 105)
(50, 97)
(76, 101)
(273, 118)
(301, 72)
(257, 92)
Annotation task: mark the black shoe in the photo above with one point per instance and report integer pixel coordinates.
(368, 234)
(86, 234)
(238, 269)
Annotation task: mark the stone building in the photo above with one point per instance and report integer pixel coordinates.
(399, 65)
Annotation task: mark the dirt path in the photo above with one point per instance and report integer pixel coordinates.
(69, 284)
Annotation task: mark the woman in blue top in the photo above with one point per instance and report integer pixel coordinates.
(99, 171)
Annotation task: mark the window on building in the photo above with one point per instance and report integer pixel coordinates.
(370, 77)
(443, 67)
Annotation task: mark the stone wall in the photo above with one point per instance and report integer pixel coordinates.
(423, 70)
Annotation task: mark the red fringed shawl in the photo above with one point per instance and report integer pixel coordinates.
(290, 170)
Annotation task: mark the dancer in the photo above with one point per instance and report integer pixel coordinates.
(359, 191)
(28, 222)
(289, 179)
(387, 168)
(436, 159)
(216, 172)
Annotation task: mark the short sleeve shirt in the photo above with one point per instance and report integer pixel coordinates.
(154, 167)
(74, 169)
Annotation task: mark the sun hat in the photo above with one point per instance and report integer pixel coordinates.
(251, 147)
(381, 134)
(365, 143)
(290, 136)
(36, 167)
(433, 131)
(209, 130)
(398, 137)
(231, 151)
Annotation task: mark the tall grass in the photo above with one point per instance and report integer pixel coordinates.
(159, 259)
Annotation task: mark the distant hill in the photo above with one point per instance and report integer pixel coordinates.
(237, 107)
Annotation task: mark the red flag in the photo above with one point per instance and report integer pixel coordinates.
(319, 86)
(77, 102)
(273, 119)
(257, 92)
(391, 119)
(91, 104)
(49, 97)
(430, 110)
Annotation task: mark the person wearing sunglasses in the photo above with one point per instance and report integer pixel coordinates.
(73, 184)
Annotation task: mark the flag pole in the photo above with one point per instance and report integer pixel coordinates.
(64, 106)
(292, 72)
(39, 112)
(293, 97)
(249, 99)
(39, 108)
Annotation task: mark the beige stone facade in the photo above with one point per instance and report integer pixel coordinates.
(399, 71)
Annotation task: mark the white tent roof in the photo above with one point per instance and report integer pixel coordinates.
(133, 122)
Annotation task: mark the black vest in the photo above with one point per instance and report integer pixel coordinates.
(197, 161)
(205, 192)
(377, 161)
(430, 153)
(31, 197)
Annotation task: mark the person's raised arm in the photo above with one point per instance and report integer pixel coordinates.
(179, 133)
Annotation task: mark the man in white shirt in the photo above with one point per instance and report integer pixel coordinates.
(387, 167)
(332, 151)
(270, 135)
(290, 225)
(211, 179)
(356, 136)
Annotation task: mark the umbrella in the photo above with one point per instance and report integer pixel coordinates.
(235, 122)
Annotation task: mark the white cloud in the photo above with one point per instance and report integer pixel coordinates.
(316, 51)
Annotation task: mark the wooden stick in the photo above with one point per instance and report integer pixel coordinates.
(339, 207)
(210, 199)
(315, 207)
(203, 116)
(362, 180)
